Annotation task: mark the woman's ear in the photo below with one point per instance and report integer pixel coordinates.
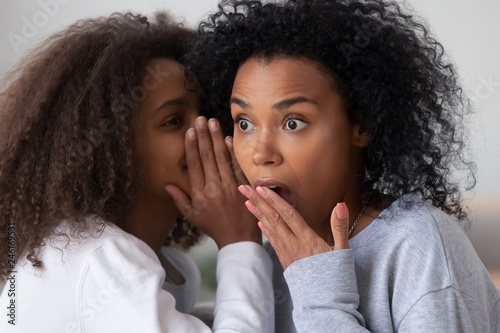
(360, 136)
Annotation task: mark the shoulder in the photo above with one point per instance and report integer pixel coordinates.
(120, 268)
(414, 228)
(116, 249)
(70, 249)
(99, 238)
(417, 241)
(405, 243)
(420, 222)
(101, 249)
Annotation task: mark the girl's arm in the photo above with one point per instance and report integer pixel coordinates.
(245, 299)
(121, 291)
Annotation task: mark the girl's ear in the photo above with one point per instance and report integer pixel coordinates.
(360, 137)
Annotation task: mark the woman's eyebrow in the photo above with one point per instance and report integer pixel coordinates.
(281, 105)
(239, 102)
(285, 104)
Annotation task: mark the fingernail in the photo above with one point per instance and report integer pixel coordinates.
(262, 191)
(261, 226)
(229, 141)
(341, 211)
(244, 190)
(212, 125)
(251, 206)
(191, 133)
(200, 122)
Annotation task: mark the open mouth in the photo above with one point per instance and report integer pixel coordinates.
(284, 193)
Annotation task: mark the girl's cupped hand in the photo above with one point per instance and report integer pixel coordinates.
(215, 205)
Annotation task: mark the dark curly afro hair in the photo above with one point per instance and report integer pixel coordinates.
(66, 145)
(393, 75)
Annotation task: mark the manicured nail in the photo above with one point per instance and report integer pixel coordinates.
(244, 190)
(261, 226)
(191, 133)
(341, 211)
(251, 206)
(212, 125)
(262, 191)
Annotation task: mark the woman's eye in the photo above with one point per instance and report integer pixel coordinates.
(245, 125)
(294, 124)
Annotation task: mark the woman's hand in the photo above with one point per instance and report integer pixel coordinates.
(215, 206)
(286, 230)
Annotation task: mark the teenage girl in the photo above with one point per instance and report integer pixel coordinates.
(92, 132)
(347, 122)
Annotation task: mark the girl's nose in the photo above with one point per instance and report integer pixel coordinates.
(266, 152)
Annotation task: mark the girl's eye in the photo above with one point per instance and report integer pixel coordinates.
(245, 125)
(173, 121)
(294, 124)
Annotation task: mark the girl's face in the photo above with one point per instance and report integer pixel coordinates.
(165, 114)
(291, 132)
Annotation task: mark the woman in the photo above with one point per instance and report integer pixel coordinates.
(348, 122)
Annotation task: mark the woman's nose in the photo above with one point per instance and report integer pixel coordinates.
(266, 151)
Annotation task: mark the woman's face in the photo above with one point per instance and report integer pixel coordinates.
(292, 132)
(165, 113)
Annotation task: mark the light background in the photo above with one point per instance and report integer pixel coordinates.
(469, 31)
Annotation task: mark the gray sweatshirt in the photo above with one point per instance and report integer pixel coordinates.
(411, 270)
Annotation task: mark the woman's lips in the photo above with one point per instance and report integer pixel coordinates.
(281, 189)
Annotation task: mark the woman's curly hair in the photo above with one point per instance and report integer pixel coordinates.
(65, 128)
(393, 76)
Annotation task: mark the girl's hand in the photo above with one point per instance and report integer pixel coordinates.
(286, 230)
(215, 206)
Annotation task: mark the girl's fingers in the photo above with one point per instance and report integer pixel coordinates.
(240, 176)
(221, 153)
(339, 221)
(206, 148)
(181, 200)
(193, 160)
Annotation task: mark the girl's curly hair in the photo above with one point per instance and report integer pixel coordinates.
(65, 128)
(393, 75)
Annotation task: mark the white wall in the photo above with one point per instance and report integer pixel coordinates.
(23, 23)
(470, 32)
(468, 29)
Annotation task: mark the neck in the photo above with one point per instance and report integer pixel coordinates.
(355, 206)
(151, 220)
(354, 203)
